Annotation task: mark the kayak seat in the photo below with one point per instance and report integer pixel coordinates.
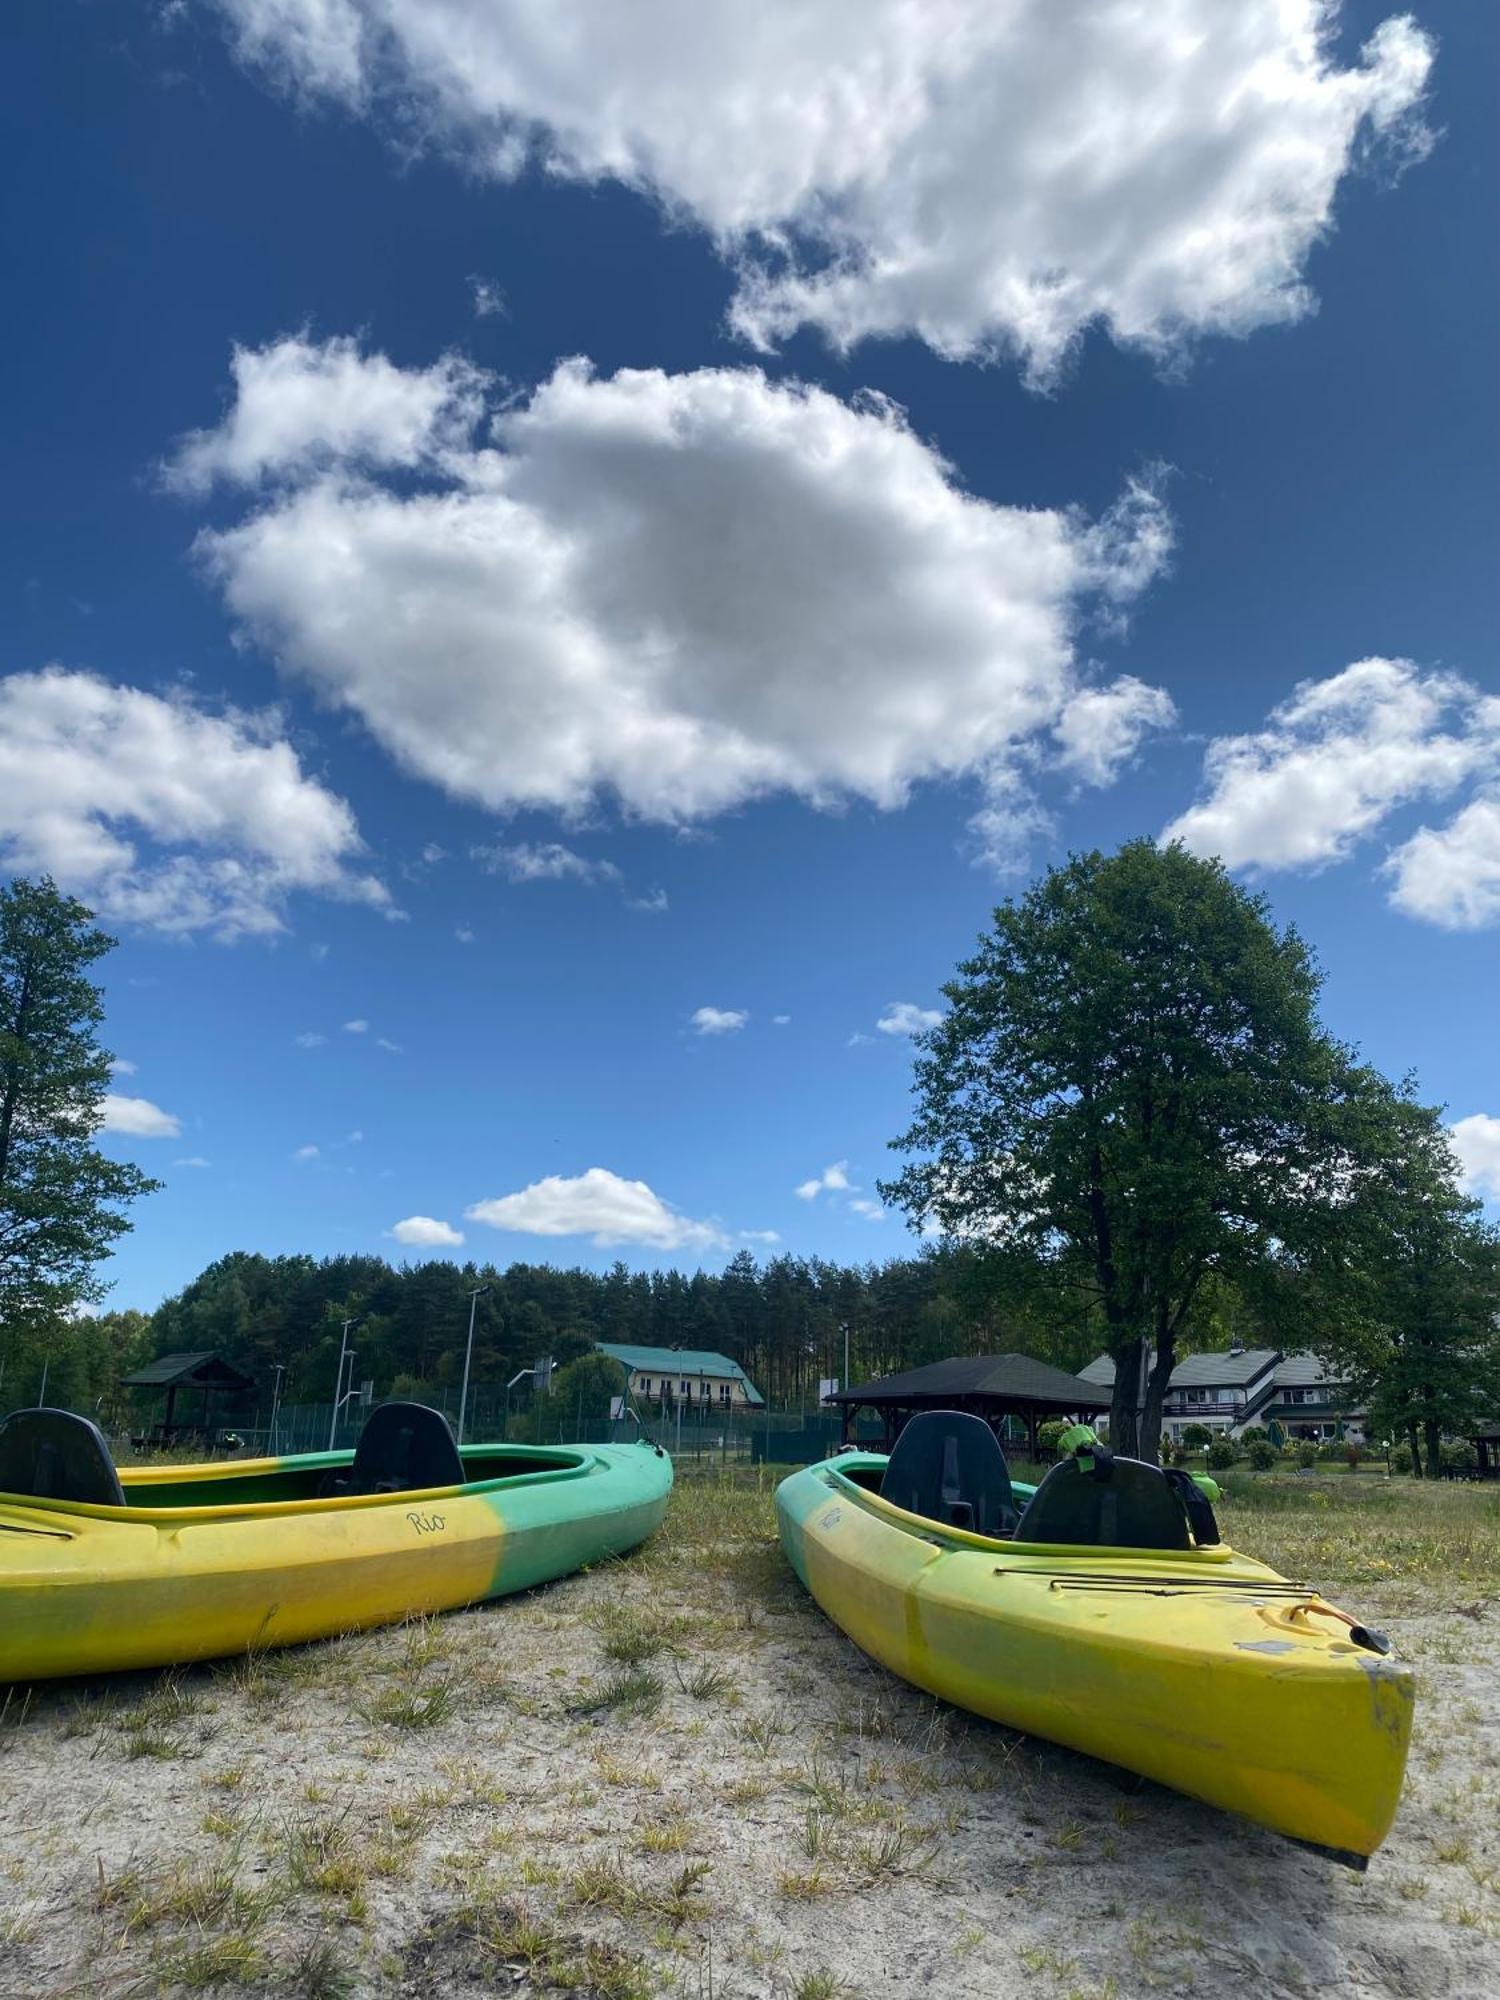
(948, 1467)
(1122, 1504)
(402, 1449)
(55, 1455)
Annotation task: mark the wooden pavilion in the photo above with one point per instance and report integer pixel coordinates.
(992, 1386)
(204, 1376)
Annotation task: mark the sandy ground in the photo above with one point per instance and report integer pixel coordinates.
(673, 1776)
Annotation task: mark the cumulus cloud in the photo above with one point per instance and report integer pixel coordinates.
(871, 1211)
(138, 1117)
(904, 1017)
(1101, 728)
(681, 592)
(991, 177)
(767, 1236)
(310, 1040)
(193, 1160)
(160, 813)
(719, 1020)
(1450, 875)
(356, 1027)
(120, 1066)
(834, 1178)
(390, 1047)
(1476, 1141)
(427, 1232)
(600, 1205)
(298, 405)
(1341, 756)
(306, 1153)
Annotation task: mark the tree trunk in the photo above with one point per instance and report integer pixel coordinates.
(1434, 1447)
(1415, 1436)
(1125, 1428)
(1148, 1443)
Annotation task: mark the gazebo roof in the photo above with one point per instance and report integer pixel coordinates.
(1001, 1378)
(188, 1371)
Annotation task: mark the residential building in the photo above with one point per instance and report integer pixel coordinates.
(1250, 1385)
(691, 1376)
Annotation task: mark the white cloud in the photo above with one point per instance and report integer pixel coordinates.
(600, 1205)
(781, 1020)
(1101, 729)
(546, 861)
(903, 1017)
(298, 405)
(767, 1236)
(391, 1048)
(870, 1210)
(311, 1040)
(426, 1231)
(1476, 1141)
(991, 177)
(138, 1117)
(464, 934)
(432, 854)
(835, 1178)
(719, 1020)
(121, 1067)
(489, 299)
(356, 1027)
(193, 1160)
(306, 1153)
(1451, 875)
(682, 593)
(1337, 759)
(159, 813)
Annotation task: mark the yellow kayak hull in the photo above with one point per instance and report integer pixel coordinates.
(1203, 1670)
(208, 1560)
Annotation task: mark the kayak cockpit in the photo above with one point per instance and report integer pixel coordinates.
(948, 1467)
(54, 1458)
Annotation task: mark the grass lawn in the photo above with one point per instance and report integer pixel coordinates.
(672, 1775)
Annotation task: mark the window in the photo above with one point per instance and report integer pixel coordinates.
(646, 1385)
(723, 1392)
(686, 1390)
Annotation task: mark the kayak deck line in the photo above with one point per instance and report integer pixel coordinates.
(1071, 1580)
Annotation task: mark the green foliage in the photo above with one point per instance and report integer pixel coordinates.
(1306, 1455)
(1197, 1435)
(1401, 1460)
(60, 1197)
(1047, 1434)
(1414, 1312)
(1261, 1453)
(1130, 1102)
(1222, 1453)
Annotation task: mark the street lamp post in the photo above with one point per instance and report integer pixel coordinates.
(280, 1367)
(463, 1395)
(338, 1385)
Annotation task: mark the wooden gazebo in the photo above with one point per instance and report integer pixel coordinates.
(1485, 1439)
(203, 1376)
(992, 1386)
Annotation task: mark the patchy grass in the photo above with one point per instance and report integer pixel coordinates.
(672, 1776)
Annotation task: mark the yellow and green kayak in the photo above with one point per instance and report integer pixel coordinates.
(203, 1560)
(1198, 1667)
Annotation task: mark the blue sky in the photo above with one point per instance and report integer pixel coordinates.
(398, 673)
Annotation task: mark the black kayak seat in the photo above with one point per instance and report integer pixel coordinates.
(948, 1467)
(55, 1455)
(1122, 1503)
(404, 1448)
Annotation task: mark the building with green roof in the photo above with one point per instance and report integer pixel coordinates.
(690, 1375)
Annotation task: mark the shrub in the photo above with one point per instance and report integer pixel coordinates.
(1307, 1456)
(1262, 1454)
(1176, 1454)
(1222, 1453)
(1047, 1434)
(1458, 1457)
(1197, 1435)
(1254, 1434)
(1401, 1458)
(1353, 1453)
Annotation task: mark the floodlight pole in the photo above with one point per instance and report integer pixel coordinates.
(338, 1384)
(280, 1367)
(463, 1395)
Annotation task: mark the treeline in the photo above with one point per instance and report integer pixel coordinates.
(782, 1320)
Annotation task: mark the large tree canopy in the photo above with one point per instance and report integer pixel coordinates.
(60, 1197)
(1131, 1100)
